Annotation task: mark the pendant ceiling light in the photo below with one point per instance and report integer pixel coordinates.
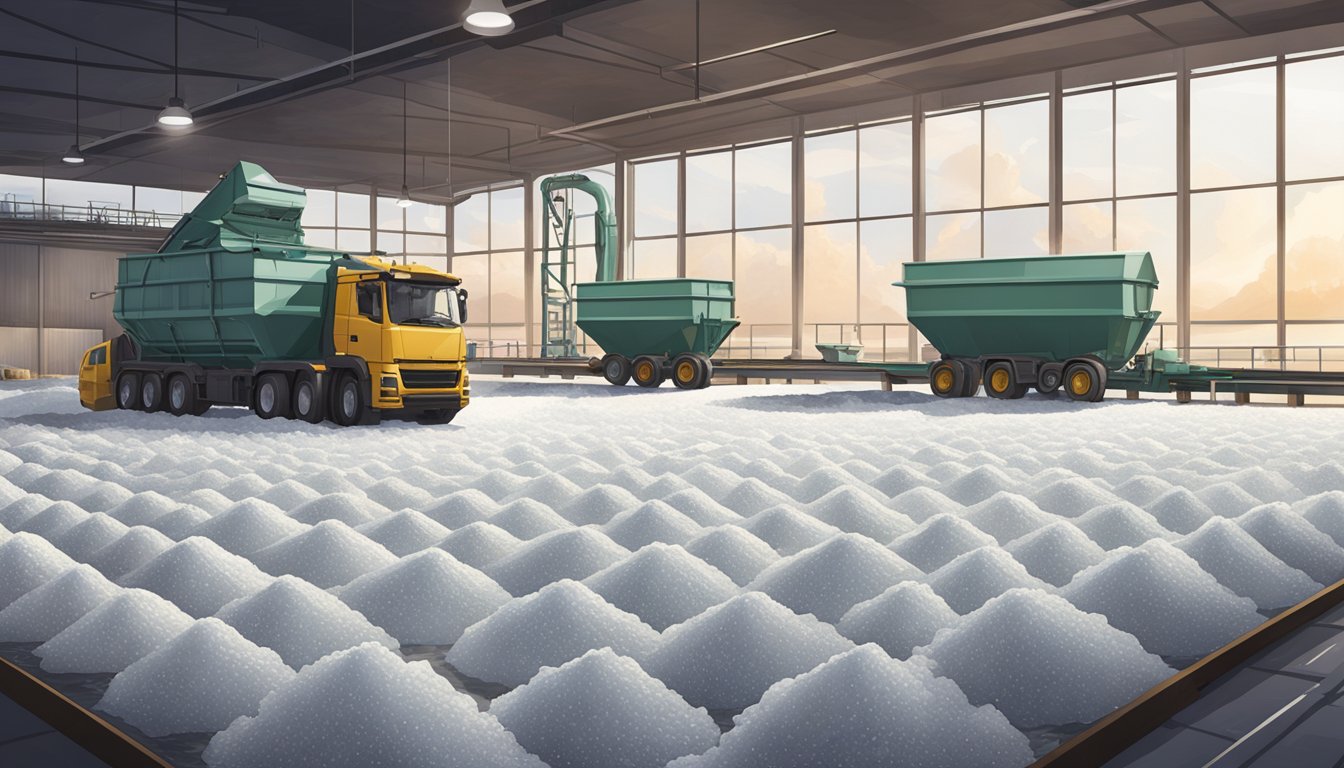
(176, 114)
(487, 18)
(405, 199)
(72, 155)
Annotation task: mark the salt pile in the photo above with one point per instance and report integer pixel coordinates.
(920, 504)
(28, 562)
(461, 508)
(120, 631)
(552, 489)
(208, 499)
(198, 575)
(1226, 499)
(575, 553)
(854, 511)
(787, 530)
(200, 681)
(1241, 564)
(1142, 489)
(728, 656)
(652, 521)
(97, 531)
(1321, 478)
(62, 484)
(1295, 541)
(528, 519)
(46, 610)
(714, 481)
(246, 486)
(426, 598)
(1326, 512)
(300, 622)
(1056, 552)
(348, 508)
(979, 484)
(602, 709)
(1072, 497)
(179, 523)
(906, 615)
(1119, 525)
(824, 480)
(1160, 595)
(133, 549)
(733, 550)
(479, 544)
(663, 486)
(899, 479)
(560, 622)
(498, 484)
(662, 584)
(975, 577)
(5, 534)
(288, 494)
(405, 532)
(1041, 661)
(328, 555)
(1264, 484)
(56, 519)
(20, 510)
(1007, 516)
(842, 714)
(366, 707)
(939, 540)
(1179, 510)
(248, 527)
(751, 496)
(828, 579)
(697, 505)
(143, 508)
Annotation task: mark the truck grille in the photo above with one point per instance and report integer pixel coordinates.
(429, 379)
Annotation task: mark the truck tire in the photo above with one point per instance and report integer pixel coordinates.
(970, 383)
(347, 406)
(687, 371)
(1049, 379)
(308, 404)
(1102, 376)
(647, 371)
(181, 395)
(151, 392)
(1082, 383)
(1001, 381)
(707, 373)
(128, 391)
(272, 398)
(947, 378)
(616, 369)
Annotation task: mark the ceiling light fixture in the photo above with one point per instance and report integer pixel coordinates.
(72, 155)
(487, 18)
(405, 200)
(176, 114)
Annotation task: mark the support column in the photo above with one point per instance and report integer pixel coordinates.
(41, 310)
(1281, 192)
(917, 203)
(373, 224)
(530, 287)
(681, 214)
(622, 224)
(796, 224)
(1056, 197)
(1183, 204)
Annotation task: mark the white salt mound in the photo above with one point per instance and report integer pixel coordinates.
(938, 540)
(574, 553)
(597, 505)
(920, 504)
(1119, 525)
(143, 508)
(752, 496)
(198, 575)
(528, 519)
(726, 657)
(733, 550)
(20, 510)
(1072, 497)
(1295, 541)
(405, 532)
(1179, 510)
(122, 630)
(351, 509)
(1142, 490)
(248, 527)
(975, 577)
(842, 714)
(560, 622)
(1326, 512)
(787, 530)
(328, 555)
(899, 479)
(1056, 552)
(458, 509)
(602, 709)
(700, 507)
(180, 523)
(46, 610)
(56, 519)
(979, 484)
(906, 615)
(288, 494)
(552, 489)
(395, 493)
(135, 547)
(828, 579)
(27, 562)
(1007, 516)
(854, 511)
(1041, 661)
(427, 598)
(200, 681)
(652, 521)
(1242, 565)
(1226, 499)
(97, 531)
(479, 544)
(1160, 595)
(662, 584)
(366, 707)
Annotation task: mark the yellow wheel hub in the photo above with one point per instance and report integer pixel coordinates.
(943, 379)
(1080, 382)
(999, 380)
(685, 372)
(644, 371)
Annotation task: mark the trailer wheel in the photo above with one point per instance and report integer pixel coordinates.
(1102, 376)
(307, 399)
(272, 395)
(687, 371)
(151, 393)
(970, 383)
(616, 369)
(181, 395)
(1001, 381)
(647, 371)
(947, 378)
(1049, 379)
(128, 391)
(347, 407)
(1082, 383)
(706, 370)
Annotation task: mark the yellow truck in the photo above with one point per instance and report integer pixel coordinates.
(234, 309)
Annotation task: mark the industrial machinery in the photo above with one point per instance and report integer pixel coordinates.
(559, 264)
(234, 309)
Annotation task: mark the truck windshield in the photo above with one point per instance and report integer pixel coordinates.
(422, 304)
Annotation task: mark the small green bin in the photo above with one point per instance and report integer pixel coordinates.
(657, 317)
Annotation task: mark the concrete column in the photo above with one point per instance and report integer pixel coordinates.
(1183, 204)
(41, 310)
(1281, 192)
(530, 287)
(796, 225)
(681, 214)
(1057, 164)
(920, 245)
(622, 223)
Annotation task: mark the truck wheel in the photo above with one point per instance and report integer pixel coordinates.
(307, 399)
(687, 371)
(707, 370)
(647, 371)
(1101, 380)
(1081, 382)
(1049, 379)
(151, 392)
(181, 396)
(1001, 381)
(946, 378)
(970, 379)
(616, 369)
(347, 407)
(272, 395)
(128, 391)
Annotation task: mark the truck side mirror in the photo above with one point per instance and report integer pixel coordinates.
(462, 305)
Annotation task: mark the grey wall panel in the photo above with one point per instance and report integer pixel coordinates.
(18, 288)
(70, 276)
(18, 347)
(65, 347)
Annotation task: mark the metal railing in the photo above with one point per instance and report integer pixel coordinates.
(1319, 358)
(94, 212)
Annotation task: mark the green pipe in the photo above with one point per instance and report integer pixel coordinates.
(604, 223)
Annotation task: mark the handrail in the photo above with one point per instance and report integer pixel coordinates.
(92, 213)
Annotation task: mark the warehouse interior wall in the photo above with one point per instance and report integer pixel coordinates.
(47, 318)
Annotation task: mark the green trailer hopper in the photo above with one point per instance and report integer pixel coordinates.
(233, 284)
(647, 326)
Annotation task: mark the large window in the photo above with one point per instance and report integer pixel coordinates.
(488, 230)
